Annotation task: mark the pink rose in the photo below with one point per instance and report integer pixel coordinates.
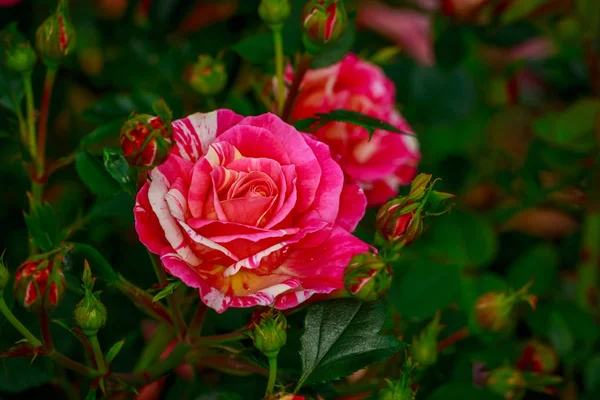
(386, 161)
(250, 211)
(9, 3)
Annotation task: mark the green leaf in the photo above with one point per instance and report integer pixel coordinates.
(119, 169)
(11, 83)
(100, 267)
(106, 135)
(352, 117)
(425, 289)
(340, 337)
(439, 203)
(573, 129)
(462, 391)
(19, 374)
(114, 350)
(339, 50)
(44, 227)
(540, 263)
(168, 290)
(94, 176)
(560, 334)
(460, 238)
(591, 375)
(520, 9)
(256, 49)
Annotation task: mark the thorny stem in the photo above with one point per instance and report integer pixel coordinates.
(31, 140)
(219, 339)
(46, 335)
(98, 356)
(303, 66)
(198, 319)
(278, 43)
(173, 306)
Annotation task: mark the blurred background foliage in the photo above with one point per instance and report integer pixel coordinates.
(505, 105)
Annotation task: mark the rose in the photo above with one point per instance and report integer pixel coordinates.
(250, 212)
(380, 164)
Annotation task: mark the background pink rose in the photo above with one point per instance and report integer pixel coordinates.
(250, 212)
(386, 161)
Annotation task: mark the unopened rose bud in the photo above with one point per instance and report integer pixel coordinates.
(400, 221)
(268, 330)
(324, 23)
(146, 140)
(274, 12)
(494, 310)
(40, 284)
(507, 382)
(4, 274)
(55, 38)
(90, 313)
(19, 56)
(538, 357)
(368, 277)
(208, 76)
(424, 346)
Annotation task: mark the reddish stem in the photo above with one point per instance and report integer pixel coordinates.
(43, 123)
(454, 338)
(303, 66)
(46, 335)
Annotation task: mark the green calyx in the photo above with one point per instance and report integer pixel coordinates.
(19, 56)
(274, 12)
(424, 346)
(208, 76)
(401, 389)
(269, 332)
(90, 313)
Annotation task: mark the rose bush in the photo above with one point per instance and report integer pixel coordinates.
(250, 212)
(385, 161)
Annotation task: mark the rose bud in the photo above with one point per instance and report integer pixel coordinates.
(55, 38)
(4, 274)
(538, 357)
(402, 389)
(424, 346)
(208, 76)
(19, 56)
(146, 140)
(89, 313)
(274, 12)
(268, 330)
(507, 382)
(39, 284)
(367, 277)
(493, 310)
(324, 23)
(400, 221)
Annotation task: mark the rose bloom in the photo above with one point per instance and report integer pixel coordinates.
(250, 211)
(386, 161)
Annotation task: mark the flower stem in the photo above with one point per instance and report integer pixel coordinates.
(46, 335)
(31, 135)
(43, 123)
(158, 369)
(10, 317)
(272, 376)
(219, 339)
(98, 354)
(198, 319)
(73, 365)
(278, 43)
(454, 338)
(303, 66)
(173, 306)
(156, 345)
